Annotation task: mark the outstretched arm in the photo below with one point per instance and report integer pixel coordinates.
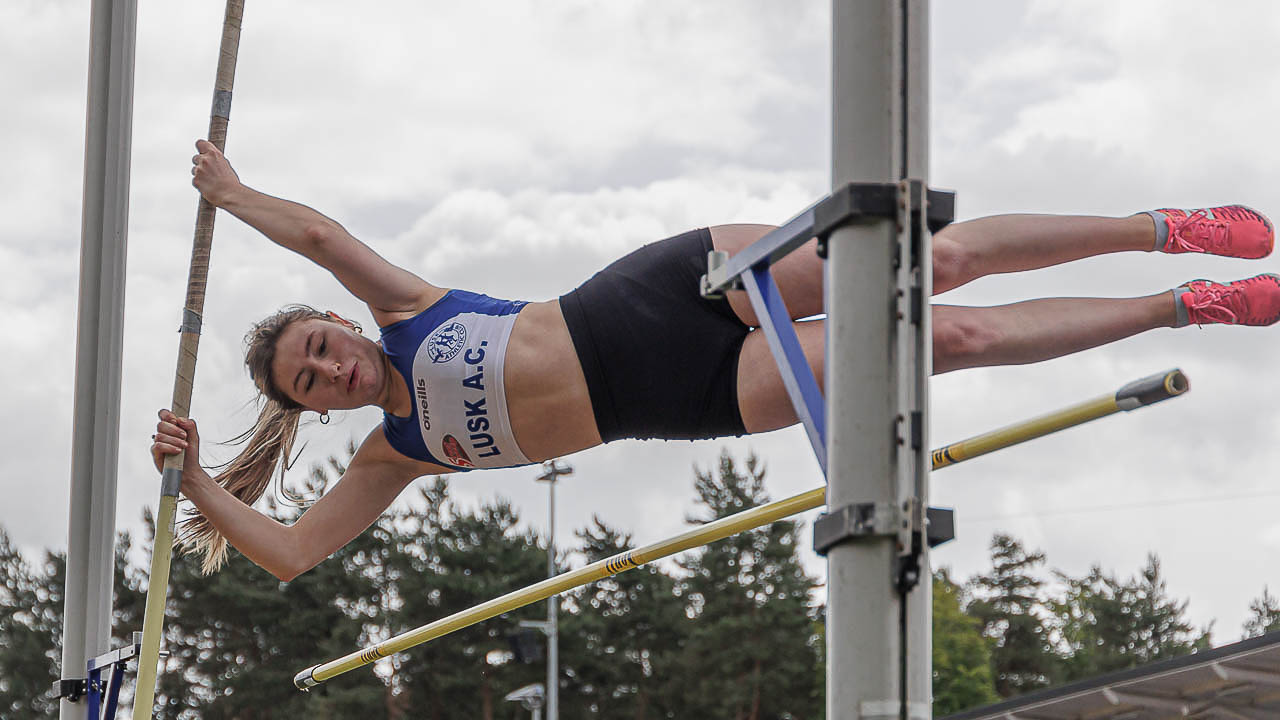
(390, 292)
(373, 480)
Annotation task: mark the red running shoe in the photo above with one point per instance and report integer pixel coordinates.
(1254, 301)
(1231, 230)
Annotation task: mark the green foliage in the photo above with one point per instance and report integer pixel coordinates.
(1095, 625)
(729, 632)
(623, 637)
(1008, 605)
(30, 630)
(1108, 624)
(1265, 615)
(752, 644)
(446, 561)
(235, 637)
(31, 605)
(962, 676)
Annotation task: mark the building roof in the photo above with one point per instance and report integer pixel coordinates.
(1240, 681)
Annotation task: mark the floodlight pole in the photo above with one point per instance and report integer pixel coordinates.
(551, 472)
(95, 438)
(878, 350)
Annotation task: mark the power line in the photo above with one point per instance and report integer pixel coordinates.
(1121, 506)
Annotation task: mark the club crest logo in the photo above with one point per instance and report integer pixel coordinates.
(446, 342)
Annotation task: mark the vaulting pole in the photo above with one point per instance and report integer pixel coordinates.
(171, 477)
(95, 427)
(1147, 391)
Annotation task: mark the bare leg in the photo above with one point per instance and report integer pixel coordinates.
(762, 398)
(963, 337)
(1011, 243)
(798, 275)
(1037, 330)
(961, 252)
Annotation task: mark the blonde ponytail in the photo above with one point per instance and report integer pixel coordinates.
(268, 444)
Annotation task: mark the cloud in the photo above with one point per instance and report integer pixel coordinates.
(480, 238)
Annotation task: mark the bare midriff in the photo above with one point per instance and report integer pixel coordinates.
(547, 397)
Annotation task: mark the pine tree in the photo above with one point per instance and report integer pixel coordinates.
(1108, 624)
(961, 656)
(621, 638)
(1163, 630)
(1009, 606)
(30, 633)
(446, 561)
(752, 649)
(1265, 615)
(236, 638)
(31, 625)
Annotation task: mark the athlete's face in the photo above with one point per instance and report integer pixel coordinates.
(323, 365)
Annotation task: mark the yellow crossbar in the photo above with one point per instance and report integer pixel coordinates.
(1137, 394)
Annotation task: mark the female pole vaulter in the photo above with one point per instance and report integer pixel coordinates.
(467, 381)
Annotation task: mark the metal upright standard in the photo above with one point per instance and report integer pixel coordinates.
(95, 427)
(171, 478)
(871, 436)
(878, 361)
(551, 472)
(1141, 393)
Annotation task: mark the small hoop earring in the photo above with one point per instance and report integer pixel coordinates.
(324, 418)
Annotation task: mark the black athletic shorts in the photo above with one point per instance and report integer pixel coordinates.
(660, 360)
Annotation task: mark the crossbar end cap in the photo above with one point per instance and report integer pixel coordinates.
(305, 680)
(1153, 389)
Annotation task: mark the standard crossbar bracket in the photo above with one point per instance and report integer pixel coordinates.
(849, 203)
(72, 689)
(103, 696)
(119, 655)
(855, 201)
(749, 270)
(862, 521)
(940, 526)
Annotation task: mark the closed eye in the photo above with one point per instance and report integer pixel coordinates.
(312, 377)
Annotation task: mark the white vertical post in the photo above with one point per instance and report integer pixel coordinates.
(86, 629)
(873, 372)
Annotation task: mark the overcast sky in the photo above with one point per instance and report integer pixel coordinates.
(515, 147)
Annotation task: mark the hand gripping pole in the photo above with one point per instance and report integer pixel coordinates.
(171, 478)
(1134, 395)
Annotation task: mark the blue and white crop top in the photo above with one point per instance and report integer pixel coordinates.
(451, 355)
